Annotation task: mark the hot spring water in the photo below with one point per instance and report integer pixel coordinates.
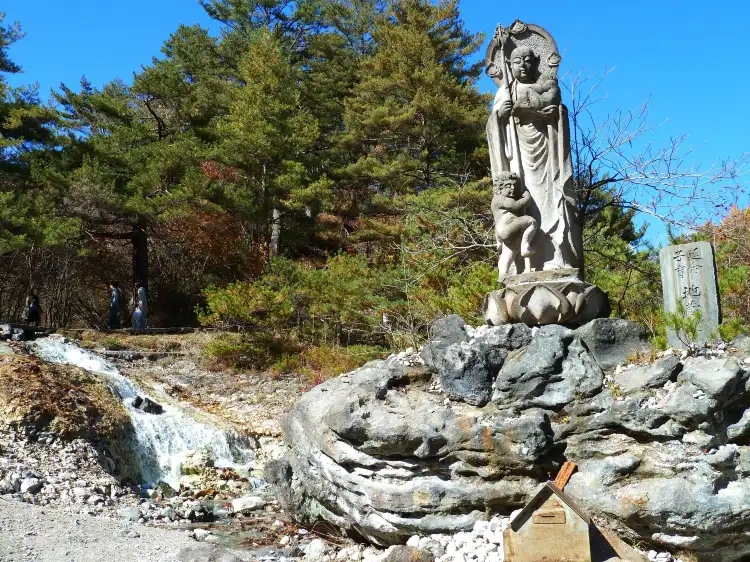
(160, 440)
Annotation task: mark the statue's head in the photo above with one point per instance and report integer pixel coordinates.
(507, 184)
(524, 64)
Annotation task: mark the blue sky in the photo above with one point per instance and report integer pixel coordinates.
(688, 55)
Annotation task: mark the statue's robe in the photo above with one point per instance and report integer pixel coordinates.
(538, 150)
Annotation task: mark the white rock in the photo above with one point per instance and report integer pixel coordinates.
(247, 504)
(494, 557)
(201, 534)
(482, 552)
(413, 541)
(481, 526)
(315, 549)
(31, 485)
(426, 543)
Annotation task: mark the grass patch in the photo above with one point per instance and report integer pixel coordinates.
(254, 350)
(324, 362)
(281, 355)
(113, 341)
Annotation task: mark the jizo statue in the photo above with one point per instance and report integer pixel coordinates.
(537, 229)
(528, 135)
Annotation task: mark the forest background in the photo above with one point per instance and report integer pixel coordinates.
(315, 178)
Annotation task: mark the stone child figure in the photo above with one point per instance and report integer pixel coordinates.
(514, 230)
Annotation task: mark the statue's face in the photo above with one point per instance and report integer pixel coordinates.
(523, 66)
(508, 189)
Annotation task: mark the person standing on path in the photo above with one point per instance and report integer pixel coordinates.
(141, 307)
(115, 298)
(142, 300)
(33, 311)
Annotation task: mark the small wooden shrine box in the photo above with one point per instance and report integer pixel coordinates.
(551, 527)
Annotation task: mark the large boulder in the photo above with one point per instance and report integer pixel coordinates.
(382, 454)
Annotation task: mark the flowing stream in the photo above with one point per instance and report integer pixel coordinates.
(160, 439)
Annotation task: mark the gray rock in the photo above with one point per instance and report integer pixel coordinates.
(206, 553)
(201, 534)
(444, 332)
(498, 341)
(743, 461)
(550, 373)
(129, 513)
(611, 340)
(167, 513)
(247, 504)
(741, 342)
(720, 379)
(465, 374)
(740, 431)
(689, 407)
(397, 464)
(408, 554)
(650, 376)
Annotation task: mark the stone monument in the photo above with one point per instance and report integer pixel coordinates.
(537, 229)
(688, 276)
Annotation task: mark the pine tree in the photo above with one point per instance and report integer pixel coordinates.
(416, 117)
(26, 127)
(265, 138)
(136, 152)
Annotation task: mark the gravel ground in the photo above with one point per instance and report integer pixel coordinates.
(32, 533)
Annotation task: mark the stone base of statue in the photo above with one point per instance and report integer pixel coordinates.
(556, 296)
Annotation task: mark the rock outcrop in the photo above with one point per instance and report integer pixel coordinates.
(432, 443)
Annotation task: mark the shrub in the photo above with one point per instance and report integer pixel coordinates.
(256, 350)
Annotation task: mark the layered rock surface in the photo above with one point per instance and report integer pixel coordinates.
(432, 443)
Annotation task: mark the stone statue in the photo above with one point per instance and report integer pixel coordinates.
(528, 134)
(534, 203)
(514, 230)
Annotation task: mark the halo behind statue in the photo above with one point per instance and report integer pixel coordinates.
(520, 34)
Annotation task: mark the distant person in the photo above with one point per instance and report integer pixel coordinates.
(115, 299)
(141, 300)
(33, 311)
(138, 322)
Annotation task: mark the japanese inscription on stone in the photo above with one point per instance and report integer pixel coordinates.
(688, 276)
